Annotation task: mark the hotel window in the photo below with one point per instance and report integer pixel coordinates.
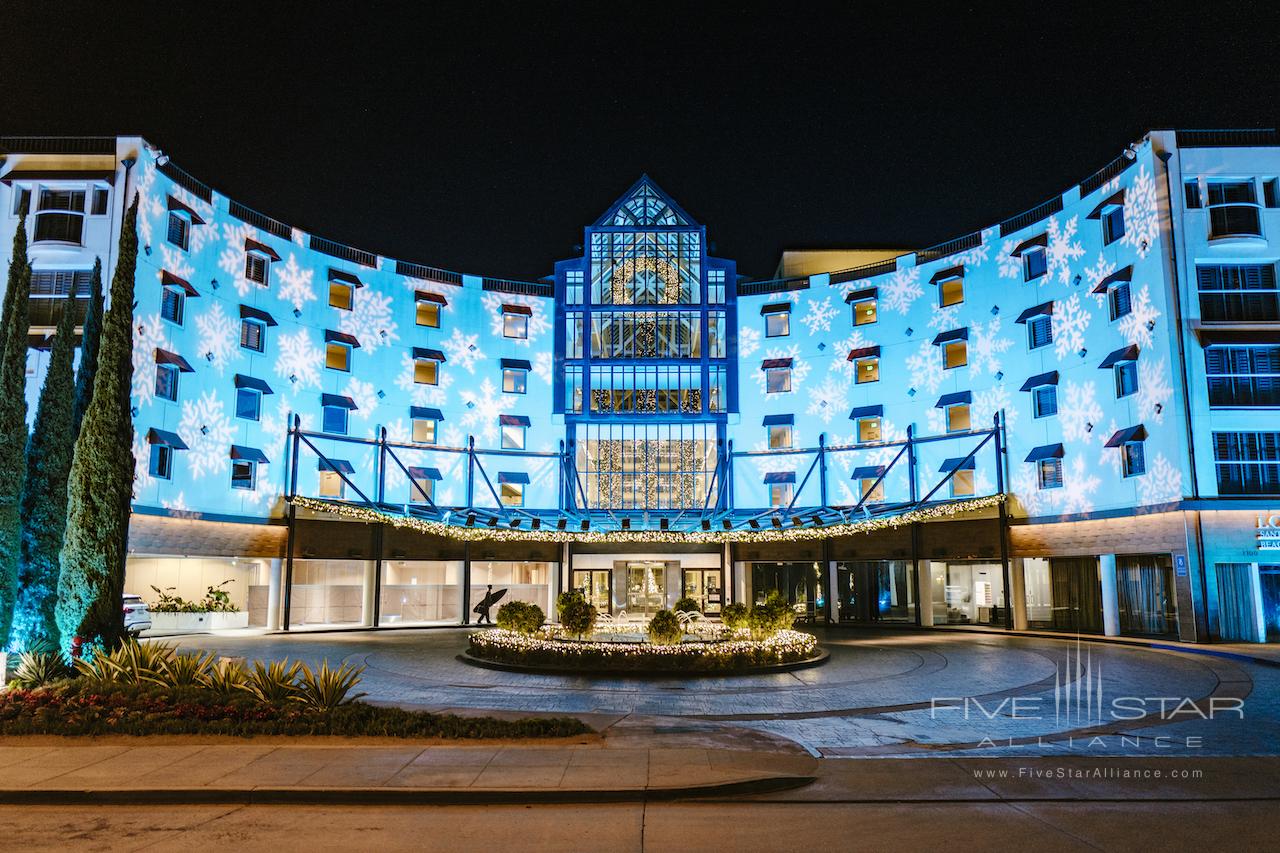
(866, 369)
(1118, 300)
(179, 231)
(573, 389)
(1233, 209)
(248, 404)
(718, 388)
(1044, 401)
(167, 382)
(1191, 193)
(426, 425)
(573, 334)
(955, 354)
(573, 280)
(715, 287)
(337, 356)
(868, 430)
(60, 218)
(427, 309)
(1049, 473)
(1248, 463)
(244, 474)
(255, 268)
(100, 202)
(426, 366)
(777, 375)
(1035, 263)
(950, 288)
(1243, 376)
(513, 429)
(172, 302)
(779, 428)
(514, 380)
(1238, 292)
(332, 484)
(962, 479)
(334, 420)
(871, 489)
(780, 494)
(1131, 457)
(958, 418)
(716, 337)
(511, 488)
(422, 485)
(864, 308)
(1112, 224)
(161, 464)
(777, 321)
(515, 321)
(340, 295)
(1126, 374)
(1039, 331)
(253, 335)
(21, 200)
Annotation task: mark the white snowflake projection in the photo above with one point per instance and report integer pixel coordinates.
(177, 262)
(364, 395)
(1096, 273)
(141, 463)
(829, 398)
(1155, 392)
(944, 319)
(208, 433)
(935, 420)
(420, 394)
(889, 432)
(150, 201)
(543, 469)
(840, 363)
(989, 401)
(231, 258)
(1078, 486)
(452, 436)
(1009, 266)
(773, 462)
(483, 408)
(901, 290)
(369, 319)
(197, 235)
(176, 504)
(463, 351)
(925, 367)
(1034, 500)
(1161, 483)
(1141, 214)
(537, 325)
(986, 346)
(1062, 250)
(295, 283)
(1079, 410)
(1138, 325)
(299, 360)
(149, 334)
(542, 365)
(975, 256)
(1070, 322)
(799, 367)
(748, 340)
(219, 336)
(275, 434)
(1109, 457)
(819, 315)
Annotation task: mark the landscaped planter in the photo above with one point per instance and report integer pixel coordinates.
(196, 623)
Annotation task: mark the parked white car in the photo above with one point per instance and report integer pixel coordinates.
(136, 616)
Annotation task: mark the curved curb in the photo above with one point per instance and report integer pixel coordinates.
(393, 796)
(769, 669)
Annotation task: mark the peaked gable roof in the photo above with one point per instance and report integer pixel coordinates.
(644, 205)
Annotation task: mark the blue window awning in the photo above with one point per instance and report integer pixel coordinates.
(513, 420)
(1126, 435)
(430, 354)
(1114, 200)
(953, 335)
(251, 245)
(249, 454)
(163, 356)
(864, 352)
(169, 439)
(958, 463)
(1040, 379)
(337, 400)
(253, 382)
(1045, 451)
(344, 277)
(778, 420)
(168, 279)
(1120, 275)
(954, 399)
(513, 477)
(422, 413)
(861, 295)
(330, 336)
(1041, 240)
(425, 473)
(1129, 353)
(776, 308)
(780, 477)
(868, 472)
(510, 308)
(428, 296)
(516, 364)
(248, 312)
(948, 274)
(775, 363)
(174, 204)
(1044, 309)
(342, 466)
(876, 411)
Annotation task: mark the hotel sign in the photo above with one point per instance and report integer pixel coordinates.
(1269, 531)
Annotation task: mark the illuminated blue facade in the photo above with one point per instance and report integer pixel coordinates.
(1108, 361)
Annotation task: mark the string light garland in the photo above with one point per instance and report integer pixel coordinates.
(937, 512)
(784, 646)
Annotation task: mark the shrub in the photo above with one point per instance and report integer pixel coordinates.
(225, 678)
(734, 616)
(665, 629)
(274, 682)
(131, 663)
(187, 670)
(770, 617)
(521, 617)
(687, 605)
(324, 689)
(39, 667)
(577, 615)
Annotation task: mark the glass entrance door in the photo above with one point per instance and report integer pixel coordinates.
(875, 591)
(595, 586)
(703, 586)
(646, 588)
(1269, 575)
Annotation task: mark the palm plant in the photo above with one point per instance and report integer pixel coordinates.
(274, 682)
(324, 689)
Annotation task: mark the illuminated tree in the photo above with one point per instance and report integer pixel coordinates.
(13, 418)
(90, 340)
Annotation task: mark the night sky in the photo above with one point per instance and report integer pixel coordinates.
(483, 137)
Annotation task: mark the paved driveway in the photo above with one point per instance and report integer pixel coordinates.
(881, 693)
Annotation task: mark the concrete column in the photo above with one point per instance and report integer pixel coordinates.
(1110, 595)
(833, 597)
(274, 589)
(560, 579)
(740, 594)
(924, 587)
(370, 590)
(726, 576)
(1018, 593)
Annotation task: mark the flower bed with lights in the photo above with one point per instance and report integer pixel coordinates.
(735, 653)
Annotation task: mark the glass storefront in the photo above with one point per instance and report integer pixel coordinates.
(1144, 583)
(801, 584)
(704, 586)
(524, 580)
(646, 588)
(1063, 594)
(244, 580)
(875, 591)
(594, 584)
(967, 593)
(327, 592)
(421, 592)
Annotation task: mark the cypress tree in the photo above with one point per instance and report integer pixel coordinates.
(100, 487)
(13, 418)
(89, 342)
(44, 494)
